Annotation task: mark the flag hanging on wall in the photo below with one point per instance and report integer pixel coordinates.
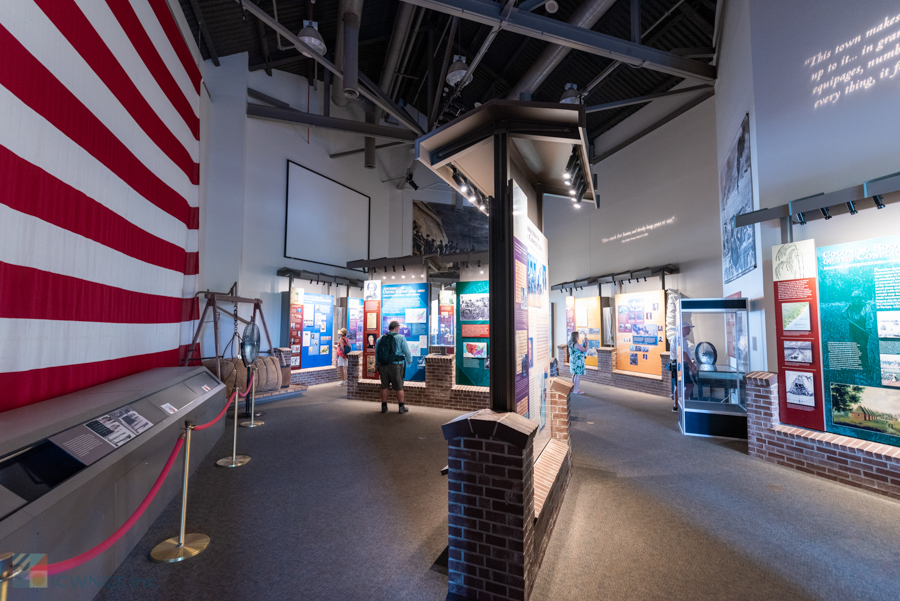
(99, 150)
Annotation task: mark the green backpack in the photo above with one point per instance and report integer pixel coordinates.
(387, 350)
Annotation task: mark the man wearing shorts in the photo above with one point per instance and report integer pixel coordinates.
(392, 374)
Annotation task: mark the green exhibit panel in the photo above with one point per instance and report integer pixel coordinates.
(408, 305)
(473, 329)
(859, 309)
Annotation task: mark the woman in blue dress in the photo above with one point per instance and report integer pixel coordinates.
(577, 353)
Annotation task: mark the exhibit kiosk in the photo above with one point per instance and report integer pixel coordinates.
(711, 347)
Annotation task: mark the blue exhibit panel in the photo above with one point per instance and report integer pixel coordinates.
(408, 304)
(318, 323)
(355, 315)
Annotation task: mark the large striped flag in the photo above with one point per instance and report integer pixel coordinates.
(99, 150)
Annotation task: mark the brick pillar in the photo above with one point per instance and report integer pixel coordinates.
(354, 359)
(440, 376)
(762, 409)
(562, 353)
(559, 408)
(491, 501)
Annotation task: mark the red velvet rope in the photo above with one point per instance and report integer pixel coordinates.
(62, 566)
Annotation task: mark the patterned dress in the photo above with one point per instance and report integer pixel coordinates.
(576, 360)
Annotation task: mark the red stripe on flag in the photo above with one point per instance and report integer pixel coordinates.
(72, 23)
(190, 309)
(191, 263)
(33, 84)
(31, 190)
(165, 18)
(28, 387)
(141, 41)
(34, 294)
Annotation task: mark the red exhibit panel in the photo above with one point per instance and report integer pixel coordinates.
(797, 335)
(372, 319)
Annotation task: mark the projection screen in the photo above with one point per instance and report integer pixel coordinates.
(325, 221)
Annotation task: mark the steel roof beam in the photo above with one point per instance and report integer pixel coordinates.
(563, 34)
(204, 31)
(289, 115)
(641, 99)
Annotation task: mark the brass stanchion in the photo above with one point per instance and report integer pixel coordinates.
(7, 573)
(185, 545)
(235, 460)
(253, 421)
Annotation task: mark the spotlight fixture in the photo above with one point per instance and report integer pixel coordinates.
(577, 204)
(551, 7)
(852, 206)
(404, 267)
(879, 201)
(460, 181)
(801, 219)
(572, 193)
(457, 70)
(825, 213)
(409, 180)
(479, 262)
(571, 95)
(394, 268)
(572, 158)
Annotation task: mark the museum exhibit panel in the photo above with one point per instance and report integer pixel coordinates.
(711, 344)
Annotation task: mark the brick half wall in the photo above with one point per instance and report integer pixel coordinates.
(605, 374)
(872, 466)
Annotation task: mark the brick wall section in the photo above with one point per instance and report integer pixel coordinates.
(605, 373)
(438, 390)
(559, 408)
(872, 466)
(315, 375)
(552, 472)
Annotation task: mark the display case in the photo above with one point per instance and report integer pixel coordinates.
(711, 347)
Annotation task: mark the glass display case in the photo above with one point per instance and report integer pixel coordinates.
(712, 351)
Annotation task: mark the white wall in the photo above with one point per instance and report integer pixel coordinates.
(670, 173)
(244, 166)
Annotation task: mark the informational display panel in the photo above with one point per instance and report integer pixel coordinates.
(408, 304)
(371, 325)
(472, 346)
(570, 317)
(797, 334)
(295, 317)
(318, 324)
(588, 319)
(532, 318)
(100, 436)
(446, 331)
(355, 332)
(640, 331)
(859, 288)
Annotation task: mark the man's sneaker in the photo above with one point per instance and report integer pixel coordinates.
(384, 407)
(403, 409)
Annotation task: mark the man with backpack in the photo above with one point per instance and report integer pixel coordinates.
(392, 355)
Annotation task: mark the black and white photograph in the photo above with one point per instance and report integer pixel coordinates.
(474, 307)
(800, 388)
(633, 359)
(798, 351)
(372, 290)
(442, 229)
(736, 198)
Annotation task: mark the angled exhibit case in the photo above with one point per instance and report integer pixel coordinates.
(711, 345)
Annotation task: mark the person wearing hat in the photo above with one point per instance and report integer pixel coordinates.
(687, 361)
(343, 349)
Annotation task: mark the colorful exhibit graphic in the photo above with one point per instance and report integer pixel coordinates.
(318, 323)
(371, 326)
(408, 304)
(532, 318)
(859, 286)
(588, 320)
(472, 309)
(797, 334)
(296, 327)
(640, 331)
(444, 229)
(355, 323)
(570, 317)
(446, 326)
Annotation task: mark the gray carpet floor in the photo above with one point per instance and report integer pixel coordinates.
(341, 502)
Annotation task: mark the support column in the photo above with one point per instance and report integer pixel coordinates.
(502, 283)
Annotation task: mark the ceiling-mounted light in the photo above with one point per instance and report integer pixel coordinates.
(394, 268)
(551, 7)
(310, 36)
(852, 206)
(577, 204)
(460, 181)
(572, 158)
(801, 218)
(825, 213)
(571, 95)
(404, 267)
(879, 201)
(409, 180)
(457, 70)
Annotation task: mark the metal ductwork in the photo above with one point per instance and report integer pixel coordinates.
(398, 40)
(346, 52)
(585, 17)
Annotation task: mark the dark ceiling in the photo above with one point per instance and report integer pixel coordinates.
(682, 26)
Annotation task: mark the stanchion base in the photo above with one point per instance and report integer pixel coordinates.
(236, 462)
(169, 551)
(252, 424)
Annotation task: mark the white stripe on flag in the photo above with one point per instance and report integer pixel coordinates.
(42, 343)
(30, 136)
(32, 242)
